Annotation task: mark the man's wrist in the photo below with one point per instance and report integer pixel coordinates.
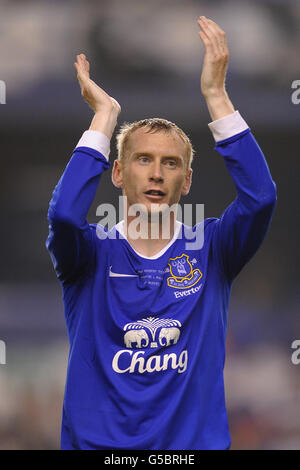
(105, 121)
(215, 93)
(218, 104)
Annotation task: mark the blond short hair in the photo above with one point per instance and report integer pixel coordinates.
(155, 125)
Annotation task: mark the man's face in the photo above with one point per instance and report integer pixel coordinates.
(154, 171)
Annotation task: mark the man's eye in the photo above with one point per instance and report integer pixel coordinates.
(171, 163)
(143, 159)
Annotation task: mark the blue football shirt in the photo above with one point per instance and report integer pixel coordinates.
(147, 334)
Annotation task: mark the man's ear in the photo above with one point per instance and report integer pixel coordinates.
(187, 183)
(117, 174)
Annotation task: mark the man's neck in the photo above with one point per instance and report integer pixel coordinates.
(149, 237)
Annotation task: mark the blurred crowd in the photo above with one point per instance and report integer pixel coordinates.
(262, 395)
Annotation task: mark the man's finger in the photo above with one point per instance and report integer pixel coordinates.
(214, 33)
(82, 67)
(209, 33)
(83, 63)
(213, 23)
(217, 32)
(205, 40)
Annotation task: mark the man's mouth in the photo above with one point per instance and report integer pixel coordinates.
(155, 193)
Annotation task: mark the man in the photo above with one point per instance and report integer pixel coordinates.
(146, 316)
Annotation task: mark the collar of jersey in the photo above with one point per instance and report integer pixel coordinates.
(120, 228)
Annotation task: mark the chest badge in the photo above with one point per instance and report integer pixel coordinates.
(182, 273)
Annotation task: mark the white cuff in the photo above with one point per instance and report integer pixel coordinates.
(95, 140)
(228, 126)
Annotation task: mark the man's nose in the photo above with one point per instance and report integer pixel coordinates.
(156, 173)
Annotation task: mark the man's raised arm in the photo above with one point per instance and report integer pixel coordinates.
(214, 69)
(105, 107)
(71, 239)
(244, 224)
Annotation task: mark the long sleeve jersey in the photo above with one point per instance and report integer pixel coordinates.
(147, 334)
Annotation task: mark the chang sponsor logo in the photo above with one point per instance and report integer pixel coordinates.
(150, 333)
(136, 362)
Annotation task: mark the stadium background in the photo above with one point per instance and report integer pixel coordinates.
(148, 56)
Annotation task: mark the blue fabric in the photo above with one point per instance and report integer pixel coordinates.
(147, 352)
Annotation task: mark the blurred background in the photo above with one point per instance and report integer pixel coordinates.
(147, 55)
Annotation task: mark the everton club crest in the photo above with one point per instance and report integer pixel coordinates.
(182, 273)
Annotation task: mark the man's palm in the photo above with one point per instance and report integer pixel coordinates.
(97, 98)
